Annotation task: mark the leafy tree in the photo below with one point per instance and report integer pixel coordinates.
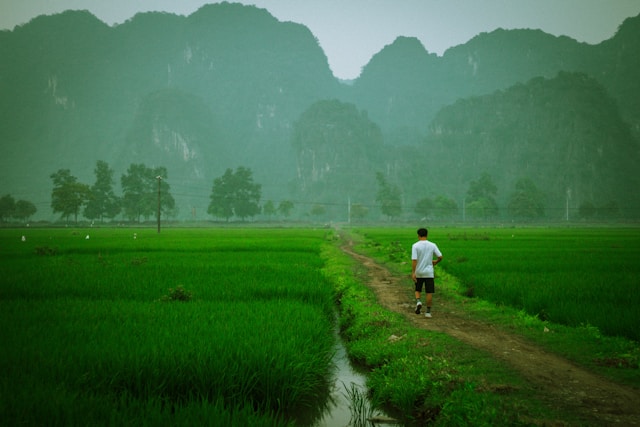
(358, 211)
(247, 193)
(24, 210)
(139, 188)
(235, 193)
(102, 201)
(445, 207)
(68, 195)
(484, 187)
(269, 209)
(527, 201)
(424, 207)
(483, 208)
(221, 204)
(140, 192)
(7, 207)
(285, 207)
(21, 210)
(481, 201)
(318, 210)
(389, 197)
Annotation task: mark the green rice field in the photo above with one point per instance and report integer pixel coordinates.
(235, 327)
(573, 276)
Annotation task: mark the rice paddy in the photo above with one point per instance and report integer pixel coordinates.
(572, 276)
(237, 326)
(122, 327)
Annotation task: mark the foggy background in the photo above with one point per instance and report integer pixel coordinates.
(510, 125)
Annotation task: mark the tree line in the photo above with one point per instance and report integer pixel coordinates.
(525, 203)
(147, 193)
(20, 210)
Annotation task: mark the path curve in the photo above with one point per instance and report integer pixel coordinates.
(599, 400)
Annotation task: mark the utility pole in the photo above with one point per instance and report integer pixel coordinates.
(159, 178)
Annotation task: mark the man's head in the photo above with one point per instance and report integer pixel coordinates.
(423, 232)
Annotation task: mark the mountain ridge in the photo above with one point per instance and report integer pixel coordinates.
(224, 86)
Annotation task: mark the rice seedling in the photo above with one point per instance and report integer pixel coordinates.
(359, 406)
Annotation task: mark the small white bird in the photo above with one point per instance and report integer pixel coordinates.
(24, 239)
(87, 238)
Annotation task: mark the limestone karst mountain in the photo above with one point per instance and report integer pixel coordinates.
(227, 86)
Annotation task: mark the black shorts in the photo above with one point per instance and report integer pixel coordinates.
(428, 282)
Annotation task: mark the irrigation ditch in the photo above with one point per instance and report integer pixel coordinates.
(349, 404)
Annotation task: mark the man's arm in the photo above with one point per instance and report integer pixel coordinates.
(414, 264)
(437, 261)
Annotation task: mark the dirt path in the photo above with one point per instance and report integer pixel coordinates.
(597, 400)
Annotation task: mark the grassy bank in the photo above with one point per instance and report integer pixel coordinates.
(422, 377)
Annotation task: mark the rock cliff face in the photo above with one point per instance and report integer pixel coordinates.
(217, 89)
(231, 86)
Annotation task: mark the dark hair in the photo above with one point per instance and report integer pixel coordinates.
(422, 232)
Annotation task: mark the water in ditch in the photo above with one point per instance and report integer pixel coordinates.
(346, 377)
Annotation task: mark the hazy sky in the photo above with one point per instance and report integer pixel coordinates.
(351, 31)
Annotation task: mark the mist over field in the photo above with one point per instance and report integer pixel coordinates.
(512, 125)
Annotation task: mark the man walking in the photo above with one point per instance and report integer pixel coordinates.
(422, 263)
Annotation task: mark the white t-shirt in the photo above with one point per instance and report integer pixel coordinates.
(423, 251)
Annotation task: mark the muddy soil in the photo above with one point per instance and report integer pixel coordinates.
(566, 386)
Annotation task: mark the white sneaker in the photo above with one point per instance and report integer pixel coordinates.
(418, 307)
(427, 315)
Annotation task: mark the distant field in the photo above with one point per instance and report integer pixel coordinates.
(169, 329)
(586, 276)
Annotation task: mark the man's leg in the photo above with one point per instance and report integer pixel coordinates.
(429, 289)
(418, 291)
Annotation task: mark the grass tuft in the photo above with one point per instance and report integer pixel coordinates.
(177, 294)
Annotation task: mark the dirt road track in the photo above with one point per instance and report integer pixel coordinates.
(598, 400)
